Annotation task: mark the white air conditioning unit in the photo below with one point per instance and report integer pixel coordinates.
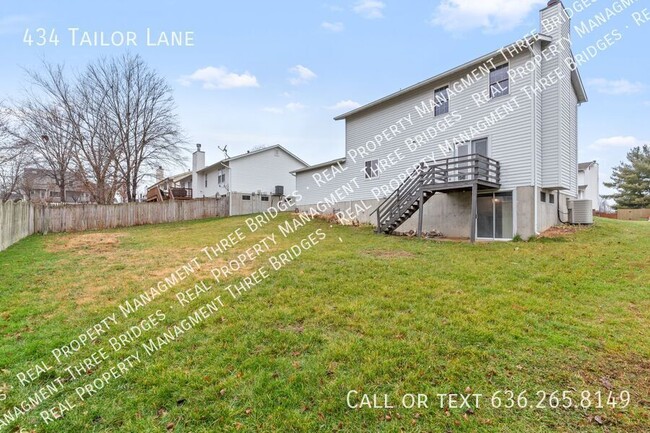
(581, 212)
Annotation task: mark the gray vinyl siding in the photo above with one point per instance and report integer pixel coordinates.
(559, 145)
(313, 193)
(509, 140)
(535, 76)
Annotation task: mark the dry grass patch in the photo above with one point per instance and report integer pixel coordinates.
(85, 243)
(560, 231)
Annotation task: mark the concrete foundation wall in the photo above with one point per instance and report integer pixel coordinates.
(449, 213)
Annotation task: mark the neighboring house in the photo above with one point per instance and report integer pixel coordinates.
(38, 186)
(490, 146)
(178, 187)
(588, 183)
(264, 171)
(252, 181)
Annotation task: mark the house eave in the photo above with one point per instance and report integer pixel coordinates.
(441, 77)
(321, 165)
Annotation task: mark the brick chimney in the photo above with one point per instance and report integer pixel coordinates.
(160, 174)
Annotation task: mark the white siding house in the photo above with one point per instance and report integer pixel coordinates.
(516, 106)
(263, 172)
(588, 183)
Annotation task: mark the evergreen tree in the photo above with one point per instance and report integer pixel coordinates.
(632, 180)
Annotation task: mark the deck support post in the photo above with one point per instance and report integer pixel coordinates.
(421, 212)
(378, 222)
(472, 236)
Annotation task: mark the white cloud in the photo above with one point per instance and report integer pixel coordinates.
(219, 78)
(345, 105)
(616, 87)
(14, 24)
(273, 110)
(295, 106)
(370, 9)
(301, 74)
(332, 27)
(617, 142)
(492, 16)
(291, 106)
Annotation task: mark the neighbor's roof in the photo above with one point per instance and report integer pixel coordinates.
(250, 153)
(575, 78)
(180, 176)
(586, 165)
(321, 165)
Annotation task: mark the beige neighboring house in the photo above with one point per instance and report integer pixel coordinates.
(588, 183)
(38, 186)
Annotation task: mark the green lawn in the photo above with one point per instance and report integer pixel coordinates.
(375, 314)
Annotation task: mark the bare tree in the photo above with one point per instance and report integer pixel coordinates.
(48, 135)
(140, 105)
(96, 149)
(13, 158)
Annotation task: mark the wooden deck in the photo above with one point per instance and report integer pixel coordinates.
(464, 173)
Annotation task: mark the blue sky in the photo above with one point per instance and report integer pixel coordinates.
(263, 72)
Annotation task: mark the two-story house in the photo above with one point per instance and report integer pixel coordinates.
(486, 150)
(39, 186)
(588, 183)
(261, 171)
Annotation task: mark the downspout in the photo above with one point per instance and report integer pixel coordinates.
(559, 213)
(535, 191)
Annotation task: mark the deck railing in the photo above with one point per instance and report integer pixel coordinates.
(447, 172)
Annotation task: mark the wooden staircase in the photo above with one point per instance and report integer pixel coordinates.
(470, 172)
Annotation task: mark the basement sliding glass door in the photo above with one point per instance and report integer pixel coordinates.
(495, 216)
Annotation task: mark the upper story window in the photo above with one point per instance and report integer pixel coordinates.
(221, 177)
(206, 180)
(371, 168)
(441, 98)
(499, 82)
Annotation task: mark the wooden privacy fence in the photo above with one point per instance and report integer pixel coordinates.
(18, 220)
(633, 214)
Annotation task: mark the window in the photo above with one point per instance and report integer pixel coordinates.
(245, 197)
(551, 198)
(542, 196)
(221, 177)
(265, 198)
(441, 98)
(499, 83)
(372, 169)
(206, 180)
